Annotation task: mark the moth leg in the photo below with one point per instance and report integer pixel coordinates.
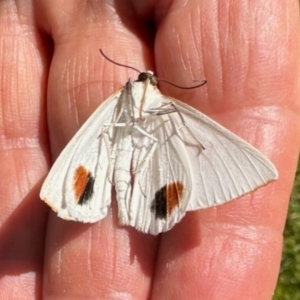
(113, 124)
(143, 164)
(162, 110)
(118, 124)
(150, 152)
(144, 132)
(111, 157)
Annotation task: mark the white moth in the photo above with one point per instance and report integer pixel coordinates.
(162, 156)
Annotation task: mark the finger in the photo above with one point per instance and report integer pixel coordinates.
(249, 56)
(24, 65)
(102, 260)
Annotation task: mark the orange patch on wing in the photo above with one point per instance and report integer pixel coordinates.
(80, 181)
(173, 194)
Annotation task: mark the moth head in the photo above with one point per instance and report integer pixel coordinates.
(148, 75)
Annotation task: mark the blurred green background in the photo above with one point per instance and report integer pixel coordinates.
(288, 286)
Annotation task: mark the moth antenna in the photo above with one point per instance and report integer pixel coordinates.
(202, 82)
(118, 64)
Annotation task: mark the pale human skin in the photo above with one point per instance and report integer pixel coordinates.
(248, 52)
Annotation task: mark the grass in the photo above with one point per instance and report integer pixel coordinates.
(288, 285)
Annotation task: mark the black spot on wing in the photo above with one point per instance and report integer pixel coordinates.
(83, 184)
(88, 190)
(159, 204)
(167, 199)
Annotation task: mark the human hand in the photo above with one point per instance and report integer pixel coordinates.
(249, 56)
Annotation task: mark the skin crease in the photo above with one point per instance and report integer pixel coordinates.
(248, 52)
